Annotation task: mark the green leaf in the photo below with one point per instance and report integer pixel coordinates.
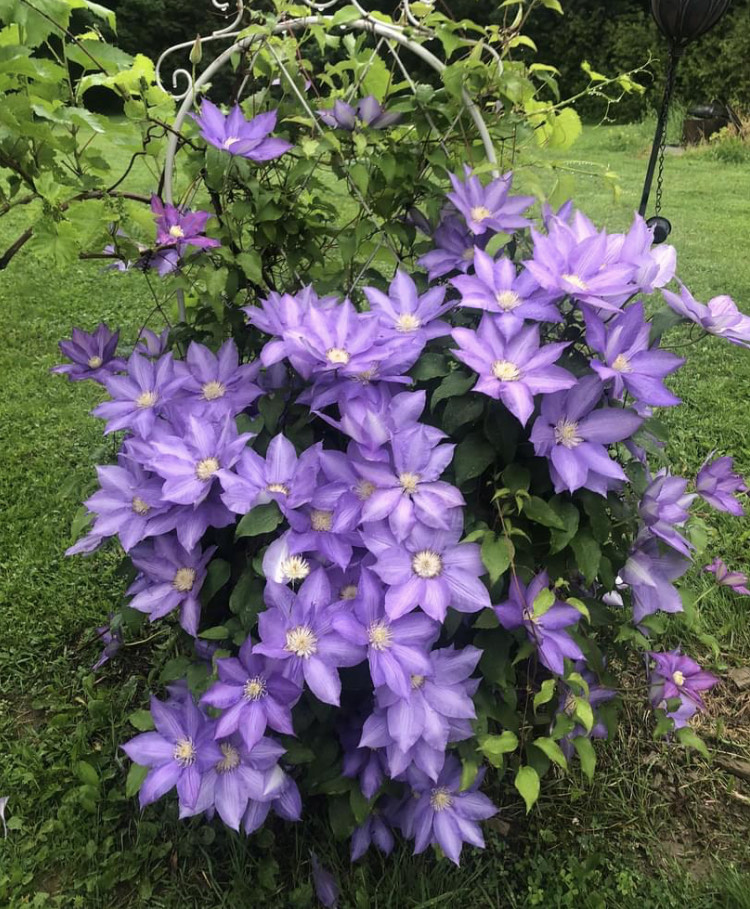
(541, 512)
(359, 804)
(457, 383)
(341, 817)
(543, 602)
(516, 478)
(586, 754)
(472, 457)
(570, 516)
(216, 577)
(553, 751)
(689, 739)
(252, 265)
(527, 783)
(142, 720)
(554, 5)
(545, 693)
(588, 554)
(580, 606)
(493, 747)
(136, 776)
(430, 366)
(261, 519)
(86, 774)
(217, 633)
(469, 770)
(496, 555)
(583, 713)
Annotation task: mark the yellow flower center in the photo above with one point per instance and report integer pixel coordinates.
(231, 759)
(364, 489)
(213, 390)
(440, 799)
(407, 322)
(184, 752)
(139, 506)
(338, 355)
(176, 231)
(147, 399)
(622, 364)
(349, 592)
(278, 487)
(230, 140)
(321, 520)
(301, 642)
(295, 568)
(507, 300)
(480, 213)
(254, 689)
(206, 468)
(678, 678)
(576, 281)
(427, 564)
(95, 362)
(409, 482)
(379, 635)
(184, 579)
(468, 254)
(417, 681)
(505, 371)
(566, 433)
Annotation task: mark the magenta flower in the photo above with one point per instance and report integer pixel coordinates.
(238, 136)
(735, 580)
(489, 207)
(545, 628)
(627, 361)
(454, 247)
(404, 314)
(180, 229)
(298, 628)
(574, 436)
(649, 573)
(93, 355)
(180, 750)
(664, 507)
(253, 694)
(216, 386)
(514, 370)
(719, 317)
(718, 484)
(677, 676)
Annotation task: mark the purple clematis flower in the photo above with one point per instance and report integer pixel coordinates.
(677, 676)
(139, 397)
(374, 830)
(326, 888)
(93, 355)
(150, 344)
(735, 580)
(544, 623)
(430, 569)
(497, 288)
(327, 525)
(238, 136)
(719, 316)
(180, 229)
(112, 640)
(444, 815)
(664, 507)
(253, 694)
(654, 265)
(649, 573)
(215, 384)
(574, 436)
(597, 695)
(367, 112)
(178, 752)
(454, 249)
(718, 485)
(286, 803)
(298, 628)
(171, 576)
(514, 370)
(366, 765)
(397, 650)
(404, 314)
(628, 361)
(489, 207)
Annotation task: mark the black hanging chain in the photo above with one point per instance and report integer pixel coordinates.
(664, 117)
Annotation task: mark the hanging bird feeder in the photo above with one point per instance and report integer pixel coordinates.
(681, 22)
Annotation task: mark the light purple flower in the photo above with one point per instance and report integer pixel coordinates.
(664, 507)
(718, 484)
(514, 370)
(649, 573)
(367, 112)
(326, 888)
(178, 752)
(455, 245)
(327, 525)
(238, 136)
(575, 436)
(252, 694)
(286, 803)
(215, 384)
(719, 316)
(367, 765)
(404, 314)
(374, 830)
(150, 344)
(545, 627)
(735, 580)
(677, 676)
(489, 207)
(111, 638)
(180, 229)
(93, 355)
(171, 576)
(628, 362)
(654, 265)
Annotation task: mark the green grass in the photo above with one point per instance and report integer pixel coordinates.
(75, 839)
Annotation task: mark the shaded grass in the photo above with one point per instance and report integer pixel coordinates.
(624, 842)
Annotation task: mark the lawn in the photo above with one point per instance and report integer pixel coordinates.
(658, 828)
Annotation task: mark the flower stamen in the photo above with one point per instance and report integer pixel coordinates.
(427, 564)
(146, 399)
(321, 520)
(301, 642)
(505, 371)
(255, 689)
(566, 433)
(184, 579)
(379, 636)
(213, 390)
(184, 752)
(206, 468)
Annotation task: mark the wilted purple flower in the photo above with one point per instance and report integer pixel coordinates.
(544, 623)
(430, 569)
(677, 676)
(719, 317)
(444, 815)
(497, 288)
(627, 359)
(93, 355)
(253, 694)
(140, 396)
(718, 485)
(574, 437)
(111, 638)
(326, 888)
(238, 136)
(454, 247)
(514, 370)
(180, 229)
(178, 752)
(664, 507)
(489, 207)
(366, 765)
(367, 112)
(397, 650)
(735, 580)
(215, 384)
(405, 314)
(298, 628)
(171, 576)
(649, 573)
(374, 830)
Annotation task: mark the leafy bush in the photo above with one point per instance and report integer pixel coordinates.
(387, 481)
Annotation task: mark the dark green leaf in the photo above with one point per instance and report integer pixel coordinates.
(261, 519)
(496, 555)
(457, 383)
(216, 577)
(136, 776)
(142, 720)
(541, 512)
(472, 457)
(587, 553)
